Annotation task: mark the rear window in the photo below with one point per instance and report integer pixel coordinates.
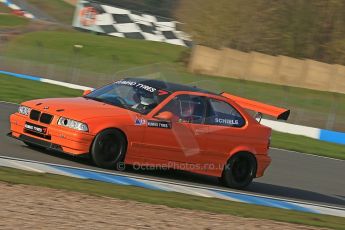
(223, 114)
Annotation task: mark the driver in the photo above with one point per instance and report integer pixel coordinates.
(145, 101)
(182, 110)
(187, 110)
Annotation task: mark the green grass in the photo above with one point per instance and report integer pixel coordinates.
(19, 90)
(279, 95)
(4, 9)
(58, 9)
(170, 199)
(8, 20)
(99, 53)
(103, 54)
(307, 145)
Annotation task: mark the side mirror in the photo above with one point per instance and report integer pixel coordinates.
(166, 116)
(86, 92)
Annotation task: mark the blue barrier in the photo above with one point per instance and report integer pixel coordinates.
(23, 76)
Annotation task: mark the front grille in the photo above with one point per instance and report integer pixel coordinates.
(35, 115)
(46, 118)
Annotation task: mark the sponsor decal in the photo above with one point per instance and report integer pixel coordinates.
(140, 121)
(162, 92)
(226, 121)
(88, 16)
(159, 124)
(137, 84)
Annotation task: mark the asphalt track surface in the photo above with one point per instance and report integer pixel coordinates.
(291, 175)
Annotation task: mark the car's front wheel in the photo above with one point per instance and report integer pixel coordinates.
(108, 149)
(239, 171)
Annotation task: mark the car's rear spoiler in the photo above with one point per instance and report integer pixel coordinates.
(279, 113)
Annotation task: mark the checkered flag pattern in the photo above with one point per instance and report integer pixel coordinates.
(124, 23)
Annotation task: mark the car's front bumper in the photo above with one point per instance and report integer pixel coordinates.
(57, 138)
(37, 142)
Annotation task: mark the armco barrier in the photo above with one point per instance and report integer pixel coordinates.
(45, 80)
(13, 6)
(315, 133)
(331, 136)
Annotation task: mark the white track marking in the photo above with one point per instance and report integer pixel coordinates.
(17, 164)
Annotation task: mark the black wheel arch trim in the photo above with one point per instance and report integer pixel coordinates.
(246, 152)
(110, 128)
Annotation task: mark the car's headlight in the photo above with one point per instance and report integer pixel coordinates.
(63, 121)
(24, 110)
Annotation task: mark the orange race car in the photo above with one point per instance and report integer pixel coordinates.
(152, 123)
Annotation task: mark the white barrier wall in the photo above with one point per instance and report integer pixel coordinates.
(315, 133)
(292, 129)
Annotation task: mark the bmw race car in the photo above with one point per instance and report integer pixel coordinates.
(153, 123)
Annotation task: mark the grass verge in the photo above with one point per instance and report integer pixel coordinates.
(8, 20)
(101, 54)
(4, 9)
(104, 54)
(307, 145)
(171, 199)
(19, 90)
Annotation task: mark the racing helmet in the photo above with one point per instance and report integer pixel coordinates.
(147, 99)
(187, 108)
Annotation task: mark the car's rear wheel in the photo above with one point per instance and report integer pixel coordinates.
(108, 149)
(239, 171)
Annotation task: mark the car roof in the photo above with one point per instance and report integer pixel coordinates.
(169, 86)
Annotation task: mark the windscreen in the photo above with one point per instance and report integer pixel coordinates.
(129, 94)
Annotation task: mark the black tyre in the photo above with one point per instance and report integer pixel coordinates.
(108, 149)
(31, 145)
(239, 171)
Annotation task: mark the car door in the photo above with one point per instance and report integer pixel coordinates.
(182, 138)
(226, 129)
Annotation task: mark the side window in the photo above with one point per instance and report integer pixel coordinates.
(187, 108)
(223, 114)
